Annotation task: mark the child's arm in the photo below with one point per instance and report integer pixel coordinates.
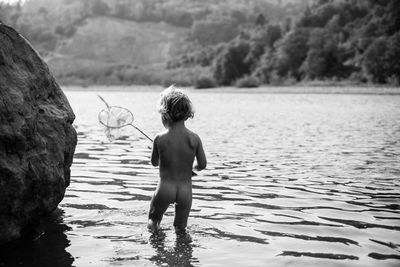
(201, 161)
(155, 158)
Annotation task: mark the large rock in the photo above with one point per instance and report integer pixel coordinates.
(37, 139)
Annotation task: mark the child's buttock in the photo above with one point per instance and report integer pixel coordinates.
(174, 193)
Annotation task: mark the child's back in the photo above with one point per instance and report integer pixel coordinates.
(177, 149)
(174, 151)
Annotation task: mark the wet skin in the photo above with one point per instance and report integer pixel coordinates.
(174, 152)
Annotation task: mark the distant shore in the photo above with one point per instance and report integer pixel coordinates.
(294, 89)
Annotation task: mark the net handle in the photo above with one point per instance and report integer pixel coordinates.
(141, 132)
(104, 101)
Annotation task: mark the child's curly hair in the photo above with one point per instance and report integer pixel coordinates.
(175, 105)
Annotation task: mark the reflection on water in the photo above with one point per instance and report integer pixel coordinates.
(292, 180)
(179, 255)
(47, 250)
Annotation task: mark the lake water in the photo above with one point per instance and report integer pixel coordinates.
(292, 180)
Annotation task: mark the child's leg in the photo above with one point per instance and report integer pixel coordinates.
(181, 217)
(157, 210)
(182, 208)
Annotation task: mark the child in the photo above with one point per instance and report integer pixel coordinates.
(174, 151)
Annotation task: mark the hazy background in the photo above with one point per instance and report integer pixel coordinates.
(208, 43)
(304, 179)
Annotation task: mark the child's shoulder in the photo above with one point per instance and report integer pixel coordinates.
(160, 136)
(193, 137)
(191, 133)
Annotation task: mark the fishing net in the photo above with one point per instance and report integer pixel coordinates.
(113, 118)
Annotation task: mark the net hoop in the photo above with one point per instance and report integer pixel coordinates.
(107, 116)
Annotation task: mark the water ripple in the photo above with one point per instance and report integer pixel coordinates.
(310, 177)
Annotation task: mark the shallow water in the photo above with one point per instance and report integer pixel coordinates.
(292, 180)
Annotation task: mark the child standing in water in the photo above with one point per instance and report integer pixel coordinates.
(174, 151)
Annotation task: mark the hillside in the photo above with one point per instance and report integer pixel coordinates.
(119, 41)
(102, 45)
(124, 42)
(213, 42)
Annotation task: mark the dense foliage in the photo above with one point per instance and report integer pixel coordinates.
(239, 41)
(331, 40)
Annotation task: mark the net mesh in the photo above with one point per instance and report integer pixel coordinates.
(113, 119)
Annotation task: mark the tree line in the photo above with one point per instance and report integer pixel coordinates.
(245, 43)
(356, 41)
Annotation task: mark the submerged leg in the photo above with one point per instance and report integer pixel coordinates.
(153, 225)
(157, 208)
(182, 210)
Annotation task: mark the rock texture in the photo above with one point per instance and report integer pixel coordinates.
(37, 139)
